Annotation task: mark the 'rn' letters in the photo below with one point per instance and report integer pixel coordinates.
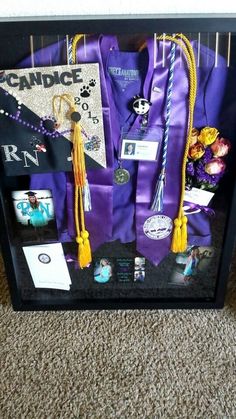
(10, 155)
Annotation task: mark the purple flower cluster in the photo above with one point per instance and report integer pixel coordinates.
(203, 178)
(190, 168)
(207, 156)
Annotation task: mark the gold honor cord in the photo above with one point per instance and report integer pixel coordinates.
(75, 41)
(78, 161)
(179, 239)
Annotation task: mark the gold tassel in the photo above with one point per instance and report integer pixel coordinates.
(176, 239)
(84, 250)
(78, 156)
(184, 234)
(85, 254)
(80, 242)
(79, 169)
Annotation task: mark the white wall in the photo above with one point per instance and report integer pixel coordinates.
(90, 7)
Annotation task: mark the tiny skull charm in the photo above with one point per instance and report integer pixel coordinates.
(140, 105)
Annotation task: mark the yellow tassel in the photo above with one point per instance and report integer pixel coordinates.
(176, 239)
(84, 250)
(79, 169)
(184, 234)
(78, 156)
(80, 242)
(86, 257)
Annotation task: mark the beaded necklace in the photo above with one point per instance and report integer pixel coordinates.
(47, 125)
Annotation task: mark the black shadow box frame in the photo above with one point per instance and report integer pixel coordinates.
(119, 25)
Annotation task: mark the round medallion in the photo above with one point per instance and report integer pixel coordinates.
(44, 258)
(121, 176)
(158, 227)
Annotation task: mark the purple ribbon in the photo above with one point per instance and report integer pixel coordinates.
(195, 207)
(72, 258)
(156, 250)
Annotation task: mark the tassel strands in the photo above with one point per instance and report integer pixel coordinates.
(157, 204)
(79, 170)
(72, 60)
(78, 159)
(87, 197)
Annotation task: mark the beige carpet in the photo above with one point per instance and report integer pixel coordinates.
(131, 364)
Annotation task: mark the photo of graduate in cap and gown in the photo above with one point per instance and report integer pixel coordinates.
(34, 215)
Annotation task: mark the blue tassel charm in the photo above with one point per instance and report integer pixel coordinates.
(157, 204)
(87, 197)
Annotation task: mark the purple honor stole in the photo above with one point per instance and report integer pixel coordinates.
(130, 214)
(132, 201)
(154, 237)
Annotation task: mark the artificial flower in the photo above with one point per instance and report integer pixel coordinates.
(190, 168)
(208, 135)
(204, 181)
(215, 166)
(208, 155)
(196, 151)
(220, 147)
(194, 137)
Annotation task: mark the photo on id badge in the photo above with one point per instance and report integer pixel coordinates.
(139, 150)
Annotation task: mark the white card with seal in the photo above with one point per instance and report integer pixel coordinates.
(48, 266)
(198, 196)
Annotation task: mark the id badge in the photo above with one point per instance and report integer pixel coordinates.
(142, 144)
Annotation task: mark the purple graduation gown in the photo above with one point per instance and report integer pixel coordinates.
(119, 211)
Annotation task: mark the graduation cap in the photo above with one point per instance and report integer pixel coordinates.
(30, 193)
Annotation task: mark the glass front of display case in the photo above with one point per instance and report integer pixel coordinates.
(117, 159)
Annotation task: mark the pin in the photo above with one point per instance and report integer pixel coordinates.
(36, 143)
(156, 89)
